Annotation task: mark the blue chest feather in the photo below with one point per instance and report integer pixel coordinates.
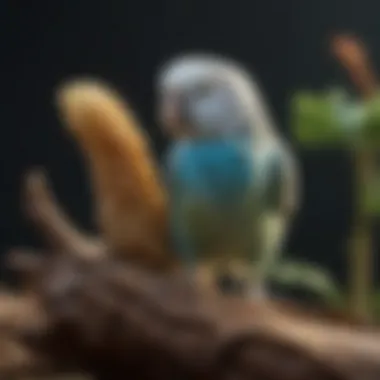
(217, 171)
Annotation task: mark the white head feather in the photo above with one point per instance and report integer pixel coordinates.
(183, 73)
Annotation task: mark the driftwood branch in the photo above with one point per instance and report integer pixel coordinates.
(46, 214)
(116, 319)
(20, 313)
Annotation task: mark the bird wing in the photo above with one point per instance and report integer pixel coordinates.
(281, 194)
(282, 185)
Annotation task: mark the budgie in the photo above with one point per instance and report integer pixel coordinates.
(232, 180)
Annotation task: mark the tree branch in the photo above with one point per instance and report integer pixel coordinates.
(43, 209)
(117, 319)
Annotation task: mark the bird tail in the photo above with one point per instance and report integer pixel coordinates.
(131, 201)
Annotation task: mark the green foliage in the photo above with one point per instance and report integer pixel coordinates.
(317, 280)
(313, 121)
(371, 195)
(320, 119)
(307, 276)
(371, 129)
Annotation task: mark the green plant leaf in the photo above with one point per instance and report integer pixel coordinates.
(307, 276)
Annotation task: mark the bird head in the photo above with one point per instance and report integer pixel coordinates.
(207, 96)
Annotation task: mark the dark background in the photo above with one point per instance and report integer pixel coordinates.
(283, 41)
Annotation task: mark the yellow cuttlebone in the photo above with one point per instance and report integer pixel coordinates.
(131, 202)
